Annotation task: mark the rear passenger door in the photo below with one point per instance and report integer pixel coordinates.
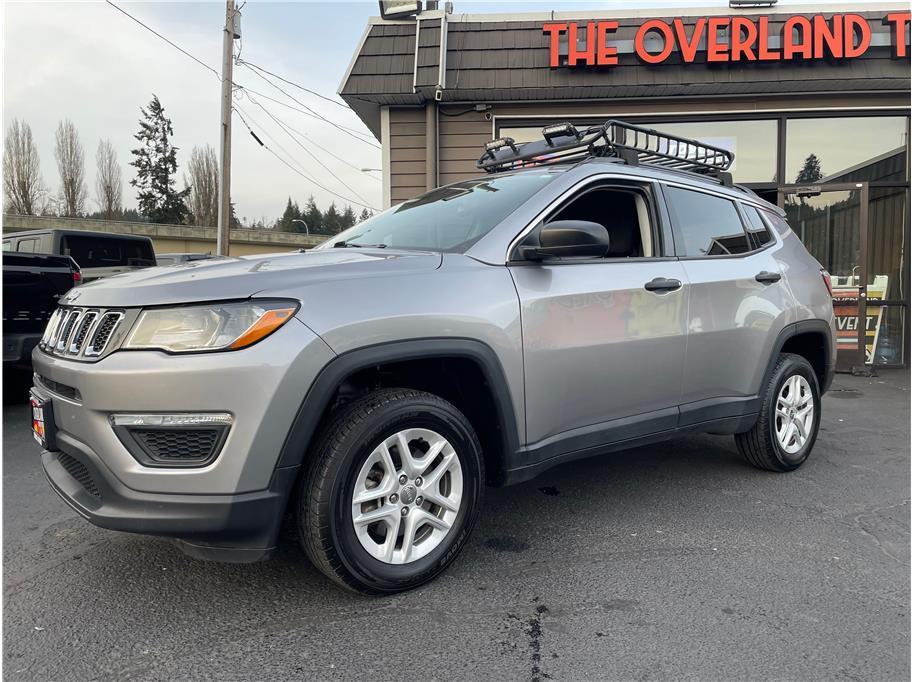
(738, 301)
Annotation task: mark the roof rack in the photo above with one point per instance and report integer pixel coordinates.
(631, 144)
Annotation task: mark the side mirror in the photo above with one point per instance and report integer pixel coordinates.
(568, 239)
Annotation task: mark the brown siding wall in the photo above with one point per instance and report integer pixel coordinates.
(462, 137)
(407, 153)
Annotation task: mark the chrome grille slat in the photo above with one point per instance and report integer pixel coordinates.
(51, 327)
(67, 330)
(81, 332)
(102, 333)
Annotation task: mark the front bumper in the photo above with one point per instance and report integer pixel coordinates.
(236, 501)
(239, 528)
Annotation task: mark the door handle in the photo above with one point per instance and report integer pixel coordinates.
(765, 277)
(663, 284)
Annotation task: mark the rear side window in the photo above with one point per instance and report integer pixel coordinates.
(7, 245)
(759, 233)
(705, 225)
(26, 245)
(104, 252)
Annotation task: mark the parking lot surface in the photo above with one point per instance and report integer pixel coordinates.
(675, 560)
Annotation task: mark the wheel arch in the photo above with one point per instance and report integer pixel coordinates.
(810, 339)
(320, 397)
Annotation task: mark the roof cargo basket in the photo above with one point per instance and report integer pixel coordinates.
(632, 144)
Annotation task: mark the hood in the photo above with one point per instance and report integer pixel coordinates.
(239, 278)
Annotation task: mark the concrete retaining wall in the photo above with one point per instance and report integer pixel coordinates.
(173, 238)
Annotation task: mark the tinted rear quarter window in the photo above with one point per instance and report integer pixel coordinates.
(106, 252)
(759, 233)
(705, 225)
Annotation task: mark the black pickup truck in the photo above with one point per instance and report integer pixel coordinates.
(32, 283)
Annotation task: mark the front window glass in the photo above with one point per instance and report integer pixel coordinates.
(868, 148)
(450, 218)
(706, 225)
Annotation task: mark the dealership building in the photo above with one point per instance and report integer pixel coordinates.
(813, 101)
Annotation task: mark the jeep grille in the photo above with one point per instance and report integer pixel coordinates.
(80, 332)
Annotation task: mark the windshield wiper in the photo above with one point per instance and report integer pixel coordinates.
(349, 245)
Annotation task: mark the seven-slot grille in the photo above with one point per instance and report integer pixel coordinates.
(80, 332)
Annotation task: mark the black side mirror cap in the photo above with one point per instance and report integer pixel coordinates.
(568, 239)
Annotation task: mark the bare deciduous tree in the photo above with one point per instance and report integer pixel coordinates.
(71, 165)
(203, 183)
(108, 181)
(22, 183)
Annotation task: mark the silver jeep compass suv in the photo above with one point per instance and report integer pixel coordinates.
(595, 290)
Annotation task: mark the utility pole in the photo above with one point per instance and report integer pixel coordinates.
(224, 209)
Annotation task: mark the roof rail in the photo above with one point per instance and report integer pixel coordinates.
(631, 144)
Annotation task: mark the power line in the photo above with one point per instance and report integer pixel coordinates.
(290, 166)
(301, 111)
(172, 44)
(308, 112)
(289, 129)
(299, 87)
(307, 151)
(294, 99)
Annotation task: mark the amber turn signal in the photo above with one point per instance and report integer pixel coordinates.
(263, 327)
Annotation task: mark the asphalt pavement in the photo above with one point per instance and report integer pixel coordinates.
(672, 561)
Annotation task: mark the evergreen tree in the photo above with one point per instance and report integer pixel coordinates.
(332, 221)
(314, 217)
(348, 217)
(156, 164)
(810, 171)
(365, 215)
(286, 222)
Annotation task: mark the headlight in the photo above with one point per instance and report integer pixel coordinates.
(220, 326)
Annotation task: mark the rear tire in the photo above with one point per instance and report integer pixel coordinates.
(417, 511)
(786, 429)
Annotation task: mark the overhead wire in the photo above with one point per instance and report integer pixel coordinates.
(347, 131)
(310, 140)
(306, 150)
(297, 85)
(307, 111)
(303, 174)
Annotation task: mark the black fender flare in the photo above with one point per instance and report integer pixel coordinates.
(803, 327)
(315, 402)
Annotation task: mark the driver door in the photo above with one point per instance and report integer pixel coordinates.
(603, 354)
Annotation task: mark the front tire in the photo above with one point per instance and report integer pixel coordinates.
(392, 492)
(786, 429)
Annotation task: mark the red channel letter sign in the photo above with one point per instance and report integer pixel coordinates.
(842, 36)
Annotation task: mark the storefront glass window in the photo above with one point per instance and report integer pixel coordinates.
(888, 323)
(753, 142)
(887, 243)
(869, 148)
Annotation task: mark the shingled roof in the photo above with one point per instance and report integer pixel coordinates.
(504, 58)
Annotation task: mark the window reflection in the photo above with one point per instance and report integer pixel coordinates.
(821, 150)
(753, 142)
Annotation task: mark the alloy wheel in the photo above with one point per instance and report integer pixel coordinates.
(794, 413)
(407, 496)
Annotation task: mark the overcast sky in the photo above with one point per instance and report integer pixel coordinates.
(88, 62)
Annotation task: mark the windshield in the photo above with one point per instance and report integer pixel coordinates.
(449, 218)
